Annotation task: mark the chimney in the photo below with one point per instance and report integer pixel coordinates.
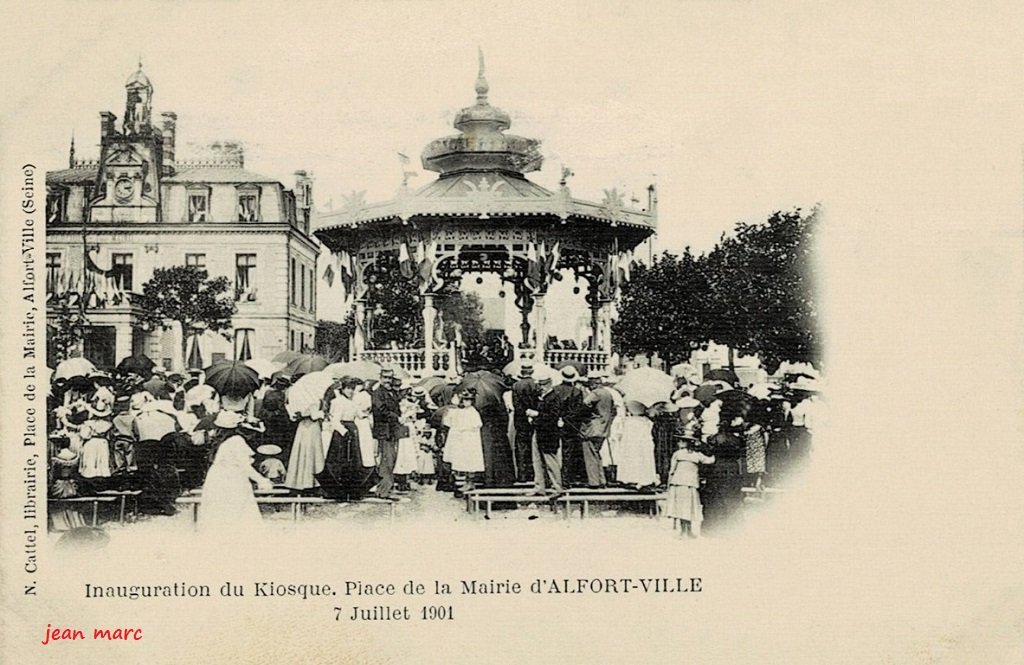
(170, 121)
(304, 189)
(106, 125)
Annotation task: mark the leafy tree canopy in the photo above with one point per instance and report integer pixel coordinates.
(186, 295)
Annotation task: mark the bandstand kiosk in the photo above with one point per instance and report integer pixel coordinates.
(483, 215)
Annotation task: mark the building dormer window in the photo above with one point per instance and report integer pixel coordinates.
(199, 205)
(249, 205)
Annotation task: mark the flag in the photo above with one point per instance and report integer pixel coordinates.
(425, 266)
(534, 274)
(329, 275)
(404, 260)
(553, 256)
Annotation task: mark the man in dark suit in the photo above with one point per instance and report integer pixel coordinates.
(525, 397)
(547, 441)
(600, 411)
(571, 413)
(386, 412)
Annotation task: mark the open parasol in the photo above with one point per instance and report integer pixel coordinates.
(232, 378)
(489, 387)
(286, 357)
(306, 364)
(265, 368)
(647, 386)
(137, 364)
(73, 367)
(305, 395)
(360, 369)
(706, 393)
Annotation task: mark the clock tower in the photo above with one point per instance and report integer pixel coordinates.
(128, 181)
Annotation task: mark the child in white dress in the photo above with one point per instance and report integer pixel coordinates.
(463, 448)
(683, 504)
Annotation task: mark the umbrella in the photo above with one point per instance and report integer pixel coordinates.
(306, 364)
(137, 364)
(647, 385)
(265, 368)
(157, 387)
(305, 395)
(489, 387)
(286, 357)
(431, 383)
(580, 367)
(232, 378)
(706, 393)
(723, 374)
(73, 367)
(360, 369)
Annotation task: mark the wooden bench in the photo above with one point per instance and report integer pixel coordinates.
(297, 503)
(123, 496)
(585, 499)
(94, 500)
(520, 494)
(755, 495)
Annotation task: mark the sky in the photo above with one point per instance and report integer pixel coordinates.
(710, 101)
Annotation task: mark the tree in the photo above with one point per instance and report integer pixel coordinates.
(762, 296)
(66, 327)
(392, 306)
(663, 308)
(465, 310)
(186, 296)
(331, 339)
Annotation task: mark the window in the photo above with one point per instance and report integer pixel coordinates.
(121, 271)
(302, 299)
(53, 263)
(291, 340)
(197, 260)
(302, 342)
(245, 276)
(55, 207)
(244, 343)
(295, 285)
(198, 206)
(248, 206)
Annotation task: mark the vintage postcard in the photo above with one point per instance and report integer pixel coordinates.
(491, 332)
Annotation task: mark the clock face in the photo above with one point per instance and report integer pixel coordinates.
(123, 189)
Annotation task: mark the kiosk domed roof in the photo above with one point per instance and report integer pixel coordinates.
(481, 145)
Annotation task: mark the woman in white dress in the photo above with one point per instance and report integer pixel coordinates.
(635, 460)
(228, 500)
(307, 456)
(463, 448)
(405, 462)
(364, 424)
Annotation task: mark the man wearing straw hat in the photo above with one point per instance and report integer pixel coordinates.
(525, 397)
(595, 431)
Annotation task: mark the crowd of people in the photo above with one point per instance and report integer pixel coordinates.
(166, 434)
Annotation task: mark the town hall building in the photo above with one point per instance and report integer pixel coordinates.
(111, 222)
